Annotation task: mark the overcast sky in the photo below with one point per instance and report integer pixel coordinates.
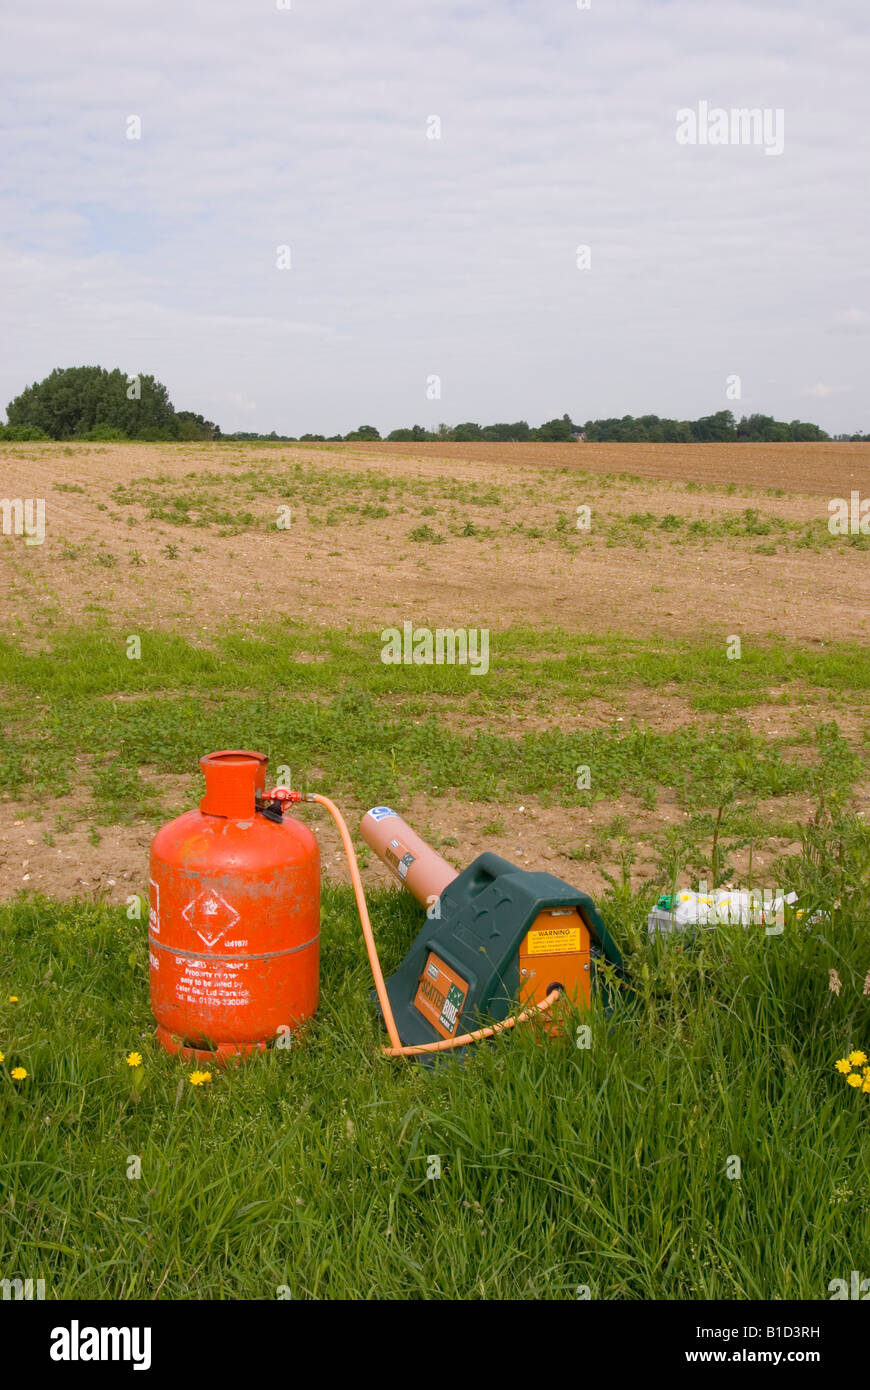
(413, 257)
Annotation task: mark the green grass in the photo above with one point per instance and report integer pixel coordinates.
(207, 498)
(777, 533)
(295, 657)
(200, 498)
(561, 1166)
(324, 704)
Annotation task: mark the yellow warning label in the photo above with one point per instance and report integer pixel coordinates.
(552, 941)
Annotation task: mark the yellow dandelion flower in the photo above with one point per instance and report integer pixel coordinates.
(2, 1057)
(854, 1079)
(18, 1074)
(134, 1059)
(13, 999)
(844, 1065)
(858, 1059)
(865, 1085)
(200, 1078)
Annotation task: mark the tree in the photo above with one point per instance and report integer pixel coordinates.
(364, 432)
(718, 427)
(801, 430)
(558, 430)
(75, 401)
(192, 426)
(504, 432)
(676, 432)
(415, 432)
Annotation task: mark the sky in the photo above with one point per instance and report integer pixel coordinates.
(433, 168)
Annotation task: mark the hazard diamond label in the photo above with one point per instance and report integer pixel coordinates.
(210, 916)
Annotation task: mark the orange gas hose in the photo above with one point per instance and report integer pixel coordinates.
(365, 922)
(479, 1034)
(396, 1049)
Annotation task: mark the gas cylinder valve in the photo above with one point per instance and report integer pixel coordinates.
(274, 803)
(284, 794)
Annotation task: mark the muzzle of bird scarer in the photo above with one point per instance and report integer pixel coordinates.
(234, 928)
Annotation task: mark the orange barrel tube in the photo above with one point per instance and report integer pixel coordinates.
(234, 931)
(414, 863)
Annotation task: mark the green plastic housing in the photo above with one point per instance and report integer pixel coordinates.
(477, 927)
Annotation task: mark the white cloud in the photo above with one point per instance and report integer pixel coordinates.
(853, 321)
(411, 256)
(822, 390)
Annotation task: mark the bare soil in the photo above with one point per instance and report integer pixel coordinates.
(100, 557)
(826, 469)
(103, 558)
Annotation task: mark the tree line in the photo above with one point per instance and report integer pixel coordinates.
(631, 429)
(92, 403)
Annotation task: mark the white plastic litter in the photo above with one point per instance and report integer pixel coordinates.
(740, 907)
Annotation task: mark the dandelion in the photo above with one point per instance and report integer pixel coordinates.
(18, 1074)
(13, 999)
(200, 1078)
(854, 1079)
(865, 1084)
(2, 1057)
(844, 1065)
(858, 1059)
(134, 1059)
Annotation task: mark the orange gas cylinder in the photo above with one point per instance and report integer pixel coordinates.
(234, 931)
